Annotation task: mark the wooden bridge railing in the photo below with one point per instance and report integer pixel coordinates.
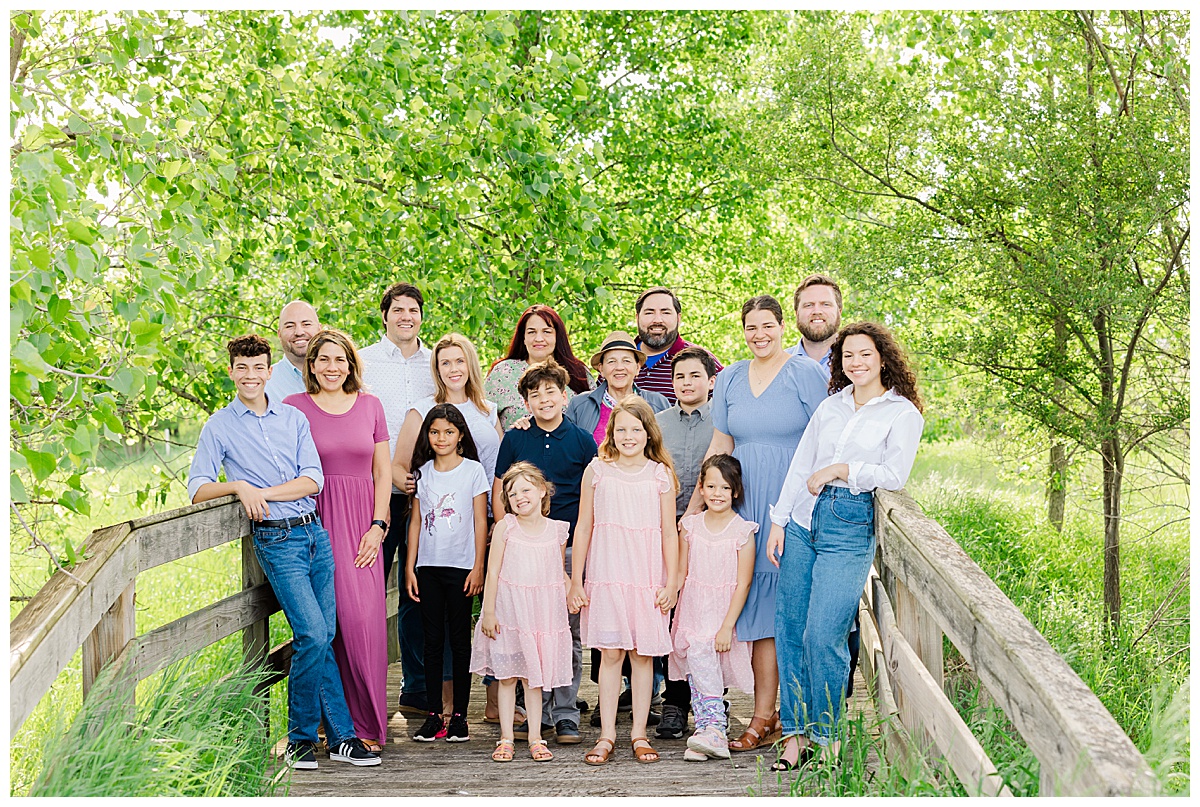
(924, 586)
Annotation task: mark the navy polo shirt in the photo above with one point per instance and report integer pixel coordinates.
(562, 455)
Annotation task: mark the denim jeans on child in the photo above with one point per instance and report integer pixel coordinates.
(821, 576)
(298, 562)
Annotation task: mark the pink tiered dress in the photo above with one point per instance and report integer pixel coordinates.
(625, 567)
(533, 640)
(703, 603)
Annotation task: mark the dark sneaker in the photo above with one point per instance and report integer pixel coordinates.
(565, 732)
(456, 731)
(354, 752)
(595, 721)
(521, 732)
(581, 704)
(625, 701)
(673, 723)
(653, 718)
(430, 728)
(301, 756)
(412, 703)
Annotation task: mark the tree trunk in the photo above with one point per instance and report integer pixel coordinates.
(1056, 486)
(1113, 462)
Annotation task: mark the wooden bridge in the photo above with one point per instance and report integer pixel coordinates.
(923, 588)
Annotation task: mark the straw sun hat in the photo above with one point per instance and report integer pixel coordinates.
(617, 340)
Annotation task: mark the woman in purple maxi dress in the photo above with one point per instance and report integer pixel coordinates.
(350, 432)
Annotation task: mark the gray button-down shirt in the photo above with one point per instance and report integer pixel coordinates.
(686, 435)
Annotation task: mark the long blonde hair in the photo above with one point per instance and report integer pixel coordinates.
(655, 450)
(474, 387)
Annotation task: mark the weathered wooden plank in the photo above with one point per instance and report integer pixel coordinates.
(199, 629)
(934, 715)
(108, 639)
(256, 635)
(1060, 719)
(48, 631)
(179, 533)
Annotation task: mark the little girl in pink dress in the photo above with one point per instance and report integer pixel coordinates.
(626, 549)
(716, 569)
(523, 631)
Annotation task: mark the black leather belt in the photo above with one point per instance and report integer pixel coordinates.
(285, 523)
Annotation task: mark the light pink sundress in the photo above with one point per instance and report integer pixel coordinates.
(533, 640)
(703, 603)
(625, 567)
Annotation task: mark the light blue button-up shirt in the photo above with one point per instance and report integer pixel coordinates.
(798, 350)
(264, 451)
(286, 379)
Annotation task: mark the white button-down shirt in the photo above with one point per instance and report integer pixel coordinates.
(397, 382)
(878, 442)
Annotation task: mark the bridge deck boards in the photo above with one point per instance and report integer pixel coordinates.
(465, 769)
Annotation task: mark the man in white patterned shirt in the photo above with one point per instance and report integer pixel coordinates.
(396, 369)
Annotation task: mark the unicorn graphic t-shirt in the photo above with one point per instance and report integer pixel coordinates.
(448, 515)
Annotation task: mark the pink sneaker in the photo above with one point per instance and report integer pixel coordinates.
(711, 742)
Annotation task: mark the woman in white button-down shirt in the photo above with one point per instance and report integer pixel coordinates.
(863, 437)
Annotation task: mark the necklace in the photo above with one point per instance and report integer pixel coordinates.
(773, 367)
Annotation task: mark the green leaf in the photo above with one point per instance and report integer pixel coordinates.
(16, 490)
(81, 232)
(27, 359)
(474, 116)
(579, 88)
(229, 171)
(41, 463)
(184, 126)
(171, 168)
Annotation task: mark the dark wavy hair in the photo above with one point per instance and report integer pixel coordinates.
(895, 372)
(563, 354)
(423, 452)
(728, 467)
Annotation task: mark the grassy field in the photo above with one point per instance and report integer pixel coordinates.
(993, 509)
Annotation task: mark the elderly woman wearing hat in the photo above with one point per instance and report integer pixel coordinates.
(617, 361)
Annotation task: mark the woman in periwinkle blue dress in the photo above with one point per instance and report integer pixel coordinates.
(760, 408)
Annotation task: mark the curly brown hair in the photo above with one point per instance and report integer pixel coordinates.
(895, 372)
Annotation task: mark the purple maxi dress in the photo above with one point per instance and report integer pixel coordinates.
(346, 444)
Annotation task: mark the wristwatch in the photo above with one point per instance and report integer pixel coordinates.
(380, 523)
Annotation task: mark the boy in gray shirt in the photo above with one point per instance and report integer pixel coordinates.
(687, 429)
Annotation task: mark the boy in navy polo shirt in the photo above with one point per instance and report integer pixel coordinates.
(561, 450)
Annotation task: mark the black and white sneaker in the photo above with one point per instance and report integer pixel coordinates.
(301, 756)
(457, 731)
(354, 752)
(430, 728)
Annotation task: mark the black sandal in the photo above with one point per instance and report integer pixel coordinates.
(807, 754)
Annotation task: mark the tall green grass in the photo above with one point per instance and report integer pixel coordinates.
(188, 736)
(1141, 673)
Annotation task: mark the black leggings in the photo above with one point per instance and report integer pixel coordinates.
(445, 609)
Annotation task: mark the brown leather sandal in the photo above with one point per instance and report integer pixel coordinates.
(600, 752)
(646, 753)
(761, 731)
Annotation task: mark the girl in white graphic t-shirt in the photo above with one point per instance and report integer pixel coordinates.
(447, 535)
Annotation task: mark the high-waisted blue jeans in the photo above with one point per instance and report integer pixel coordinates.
(298, 562)
(821, 576)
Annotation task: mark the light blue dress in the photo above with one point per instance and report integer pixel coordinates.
(765, 432)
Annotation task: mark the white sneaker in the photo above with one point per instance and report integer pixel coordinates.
(710, 742)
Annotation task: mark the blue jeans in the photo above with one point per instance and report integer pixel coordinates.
(298, 562)
(821, 577)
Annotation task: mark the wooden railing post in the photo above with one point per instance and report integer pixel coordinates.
(110, 636)
(392, 596)
(256, 636)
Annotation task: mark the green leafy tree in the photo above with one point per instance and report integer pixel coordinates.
(1027, 173)
(178, 176)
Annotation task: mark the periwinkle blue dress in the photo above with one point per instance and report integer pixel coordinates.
(765, 432)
